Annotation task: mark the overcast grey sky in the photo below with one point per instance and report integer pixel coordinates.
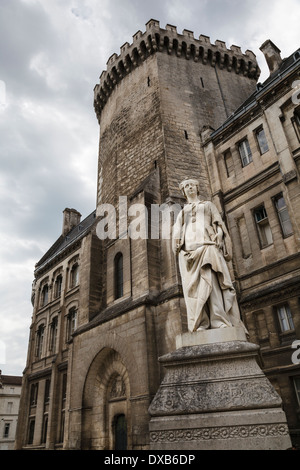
(52, 53)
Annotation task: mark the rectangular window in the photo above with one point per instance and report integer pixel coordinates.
(57, 287)
(53, 334)
(45, 296)
(71, 322)
(6, 430)
(283, 216)
(297, 117)
(44, 429)
(245, 152)
(297, 388)
(285, 318)
(39, 341)
(47, 391)
(63, 406)
(31, 431)
(296, 122)
(74, 276)
(263, 227)
(34, 394)
(262, 140)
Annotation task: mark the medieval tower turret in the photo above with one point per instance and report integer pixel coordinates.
(152, 103)
(155, 98)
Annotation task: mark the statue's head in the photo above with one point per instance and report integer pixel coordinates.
(187, 182)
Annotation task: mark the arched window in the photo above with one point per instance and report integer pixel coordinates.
(71, 322)
(74, 276)
(118, 276)
(39, 341)
(44, 298)
(53, 334)
(57, 287)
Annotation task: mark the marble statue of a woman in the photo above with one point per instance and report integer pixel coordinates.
(203, 245)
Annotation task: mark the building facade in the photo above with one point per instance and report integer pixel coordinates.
(253, 160)
(10, 392)
(108, 304)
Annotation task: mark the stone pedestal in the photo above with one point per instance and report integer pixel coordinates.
(214, 396)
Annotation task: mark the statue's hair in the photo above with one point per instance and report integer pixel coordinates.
(181, 186)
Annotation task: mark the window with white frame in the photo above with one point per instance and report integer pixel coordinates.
(285, 318)
(245, 152)
(263, 227)
(283, 215)
(261, 140)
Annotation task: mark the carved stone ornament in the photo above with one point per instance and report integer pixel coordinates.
(216, 397)
(118, 389)
(223, 432)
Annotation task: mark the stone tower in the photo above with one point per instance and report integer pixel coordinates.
(153, 101)
(106, 309)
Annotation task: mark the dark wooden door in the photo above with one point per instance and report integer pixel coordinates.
(120, 433)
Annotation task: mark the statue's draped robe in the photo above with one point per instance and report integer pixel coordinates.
(208, 291)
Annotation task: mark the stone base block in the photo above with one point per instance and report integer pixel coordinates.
(218, 335)
(215, 396)
(236, 430)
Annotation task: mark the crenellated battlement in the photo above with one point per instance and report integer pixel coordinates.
(168, 40)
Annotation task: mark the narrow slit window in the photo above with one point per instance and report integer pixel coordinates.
(118, 276)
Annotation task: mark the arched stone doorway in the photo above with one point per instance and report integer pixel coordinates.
(106, 406)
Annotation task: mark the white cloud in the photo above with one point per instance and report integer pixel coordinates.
(42, 65)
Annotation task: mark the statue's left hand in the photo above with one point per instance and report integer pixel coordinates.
(218, 238)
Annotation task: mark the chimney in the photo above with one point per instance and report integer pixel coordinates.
(272, 55)
(71, 219)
